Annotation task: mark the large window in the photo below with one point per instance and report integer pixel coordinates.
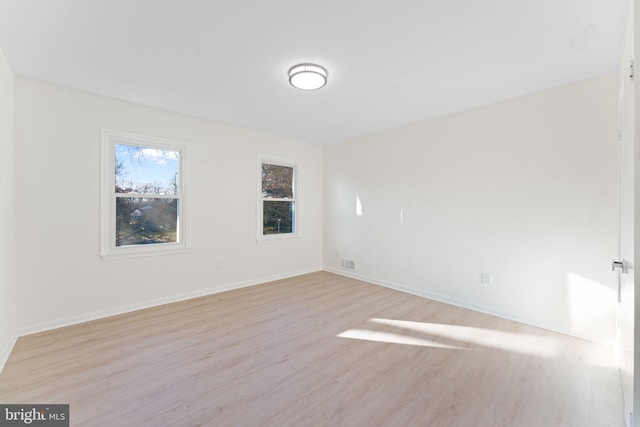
(277, 199)
(143, 199)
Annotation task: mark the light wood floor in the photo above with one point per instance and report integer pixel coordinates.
(316, 350)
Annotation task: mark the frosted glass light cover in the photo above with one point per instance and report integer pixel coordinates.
(307, 76)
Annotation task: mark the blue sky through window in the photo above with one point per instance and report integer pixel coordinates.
(146, 169)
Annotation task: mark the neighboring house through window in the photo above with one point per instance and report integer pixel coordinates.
(142, 203)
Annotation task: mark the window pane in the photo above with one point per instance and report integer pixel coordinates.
(146, 170)
(144, 221)
(277, 217)
(277, 181)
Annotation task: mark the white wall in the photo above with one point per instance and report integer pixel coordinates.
(7, 270)
(61, 278)
(524, 190)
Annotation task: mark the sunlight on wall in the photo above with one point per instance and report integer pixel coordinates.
(358, 206)
(591, 305)
(454, 337)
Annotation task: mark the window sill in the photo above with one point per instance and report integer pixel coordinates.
(273, 238)
(137, 252)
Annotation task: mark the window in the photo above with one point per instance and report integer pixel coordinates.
(142, 203)
(277, 199)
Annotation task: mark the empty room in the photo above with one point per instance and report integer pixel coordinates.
(355, 213)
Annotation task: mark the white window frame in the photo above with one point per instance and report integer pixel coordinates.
(109, 138)
(278, 161)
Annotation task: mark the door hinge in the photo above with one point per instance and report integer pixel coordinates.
(632, 71)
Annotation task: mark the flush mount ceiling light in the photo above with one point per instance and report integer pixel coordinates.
(307, 76)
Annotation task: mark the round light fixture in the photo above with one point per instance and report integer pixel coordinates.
(307, 76)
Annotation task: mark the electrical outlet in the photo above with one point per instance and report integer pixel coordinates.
(485, 278)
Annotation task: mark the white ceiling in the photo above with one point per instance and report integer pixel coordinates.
(390, 63)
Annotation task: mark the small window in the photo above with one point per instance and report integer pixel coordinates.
(277, 199)
(143, 200)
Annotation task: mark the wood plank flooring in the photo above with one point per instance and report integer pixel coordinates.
(315, 350)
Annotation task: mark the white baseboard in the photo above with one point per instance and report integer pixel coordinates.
(87, 317)
(6, 350)
(456, 302)
(73, 320)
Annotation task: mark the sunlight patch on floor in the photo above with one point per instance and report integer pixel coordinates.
(453, 337)
(388, 337)
(492, 338)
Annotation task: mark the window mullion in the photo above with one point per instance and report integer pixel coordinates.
(147, 196)
(277, 199)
